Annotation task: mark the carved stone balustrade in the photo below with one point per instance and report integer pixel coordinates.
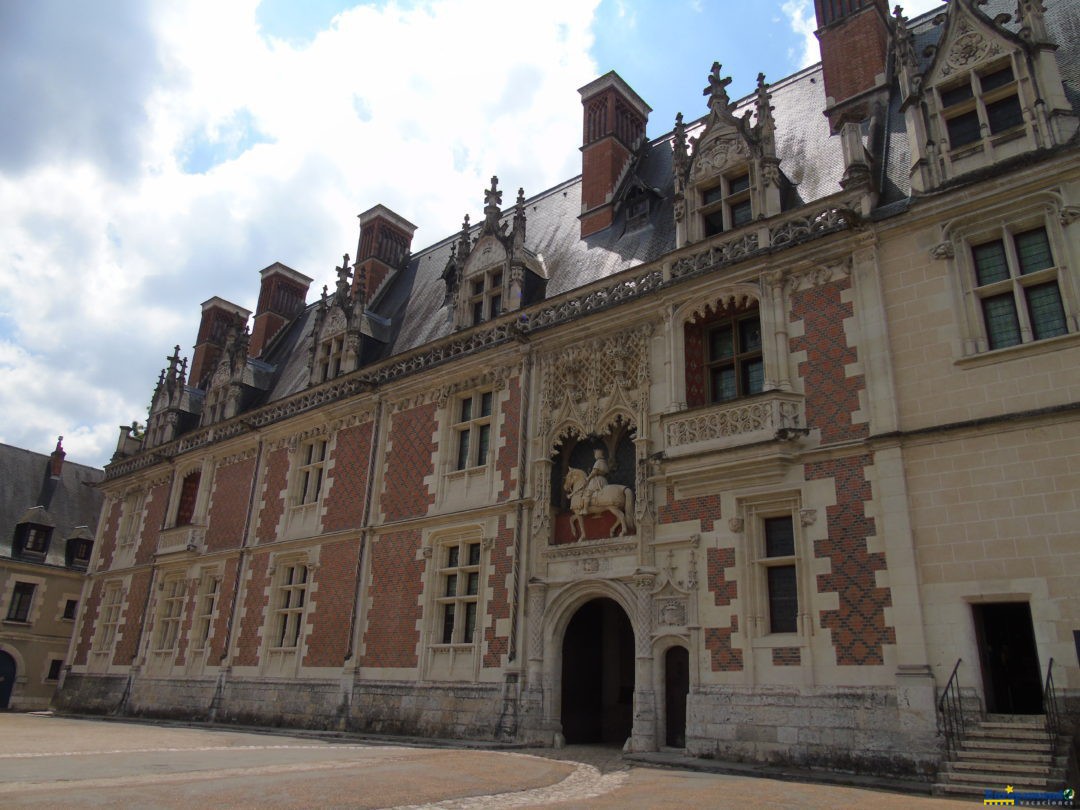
(773, 415)
(182, 538)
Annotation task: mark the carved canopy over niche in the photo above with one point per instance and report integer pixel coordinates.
(335, 338)
(730, 174)
(587, 384)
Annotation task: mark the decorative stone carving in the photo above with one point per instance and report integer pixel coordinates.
(770, 415)
(943, 250)
(735, 525)
(671, 613)
(592, 495)
(808, 517)
(1069, 214)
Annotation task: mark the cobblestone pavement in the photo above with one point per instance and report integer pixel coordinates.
(60, 762)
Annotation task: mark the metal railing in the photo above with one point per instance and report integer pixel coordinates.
(1053, 720)
(952, 711)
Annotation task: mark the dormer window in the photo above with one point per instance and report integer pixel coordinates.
(32, 541)
(331, 353)
(984, 102)
(727, 205)
(485, 296)
(78, 553)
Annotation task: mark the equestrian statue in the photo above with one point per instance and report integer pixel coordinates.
(591, 494)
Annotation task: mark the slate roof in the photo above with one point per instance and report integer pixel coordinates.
(811, 159)
(71, 502)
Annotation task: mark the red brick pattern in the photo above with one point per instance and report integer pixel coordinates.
(127, 646)
(331, 603)
(251, 619)
(346, 493)
(511, 430)
(89, 623)
(273, 505)
(502, 560)
(226, 597)
(107, 554)
(853, 54)
(786, 656)
(717, 561)
(725, 658)
(831, 396)
(229, 505)
(409, 459)
(157, 501)
(397, 579)
(705, 508)
(858, 626)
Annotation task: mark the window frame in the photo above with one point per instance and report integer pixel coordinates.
(206, 604)
(311, 467)
(484, 299)
(473, 432)
(172, 603)
(725, 198)
(756, 513)
(33, 541)
(287, 617)
(109, 617)
(455, 625)
(74, 605)
(979, 101)
(331, 357)
(57, 665)
(21, 604)
(961, 240)
(131, 512)
(740, 358)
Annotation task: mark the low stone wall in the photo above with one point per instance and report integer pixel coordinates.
(446, 711)
(835, 728)
(90, 694)
(171, 698)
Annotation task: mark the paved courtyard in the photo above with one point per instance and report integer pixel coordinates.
(59, 762)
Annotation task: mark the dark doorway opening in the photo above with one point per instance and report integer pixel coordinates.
(676, 688)
(7, 679)
(598, 675)
(1010, 662)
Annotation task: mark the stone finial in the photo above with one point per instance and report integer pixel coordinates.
(1030, 15)
(492, 205)
(343, 277)
(717, 90)
(519, 216)
(678, 145)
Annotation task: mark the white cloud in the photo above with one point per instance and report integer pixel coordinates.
(102, 270)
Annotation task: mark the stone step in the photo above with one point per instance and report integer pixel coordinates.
(1032, 782)
(949, 789)
(1011, 746)
(1018, 757)
(1016, 719)
(995, 766)
(1015, 733)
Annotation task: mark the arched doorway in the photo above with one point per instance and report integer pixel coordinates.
(598, 674)
(676, 688)
(7, 678)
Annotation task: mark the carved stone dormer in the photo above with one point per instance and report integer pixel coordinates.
(338, 328)
(174, 406)
(492, 272)
(991, 92)
(233, 375)
(729, 176)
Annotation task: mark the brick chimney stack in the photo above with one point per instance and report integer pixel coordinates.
(854, 39)
(217, 316)
(282, 296)
(383, 249)
(56, 460)
(614, 127)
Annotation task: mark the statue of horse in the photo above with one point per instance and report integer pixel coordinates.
(614, 498)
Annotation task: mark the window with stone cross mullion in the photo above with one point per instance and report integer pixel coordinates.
(173, 596)
(289, 613)
(311, 471)
(472, 429)
(459, 592)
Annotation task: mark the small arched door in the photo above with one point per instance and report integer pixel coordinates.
(598, 675)
(7, 678)
(676, 689)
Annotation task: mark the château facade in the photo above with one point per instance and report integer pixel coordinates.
(736, 443)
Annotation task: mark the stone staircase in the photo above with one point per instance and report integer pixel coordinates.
(1000, 750)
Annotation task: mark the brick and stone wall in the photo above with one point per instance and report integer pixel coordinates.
(331, 605)
(397, 580)
(229, 501)
(410, 451)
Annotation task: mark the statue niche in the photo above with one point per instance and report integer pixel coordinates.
(592, 486)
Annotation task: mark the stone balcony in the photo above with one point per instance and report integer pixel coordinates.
(764, 417)
(182, 538)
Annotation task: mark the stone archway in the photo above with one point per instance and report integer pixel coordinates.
(8, 672)
(598, 674)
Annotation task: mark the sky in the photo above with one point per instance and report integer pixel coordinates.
(156, 154)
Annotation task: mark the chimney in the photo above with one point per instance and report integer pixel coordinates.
(385, 242)
(614, 127)
(282, 296)
(854, 39)
(217, 316)
(56, 460)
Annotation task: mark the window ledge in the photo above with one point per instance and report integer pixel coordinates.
(17, 622)
(773, 640)
(468, 472)
(1030, 349)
